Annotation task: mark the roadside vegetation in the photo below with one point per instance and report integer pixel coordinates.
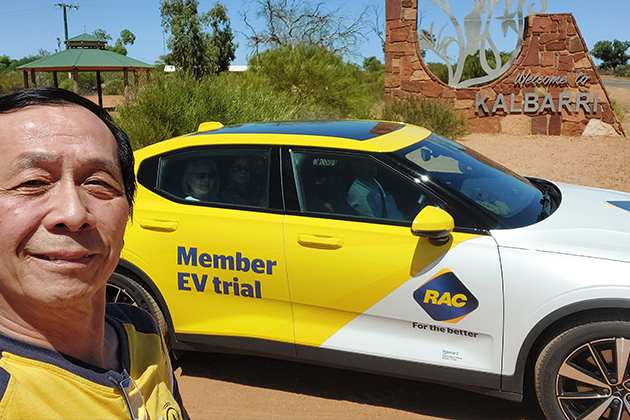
(432, 114)
(175, 104)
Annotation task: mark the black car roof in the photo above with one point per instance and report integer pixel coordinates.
(354, 130)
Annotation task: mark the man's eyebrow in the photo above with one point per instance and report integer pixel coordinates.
(35, 159)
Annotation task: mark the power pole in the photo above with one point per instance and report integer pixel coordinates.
(65, 17)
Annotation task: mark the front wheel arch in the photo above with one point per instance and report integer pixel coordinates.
(576, 372)
(549, 327)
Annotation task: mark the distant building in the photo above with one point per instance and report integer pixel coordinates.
(237, 68)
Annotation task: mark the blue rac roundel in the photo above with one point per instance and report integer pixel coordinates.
(445, 298)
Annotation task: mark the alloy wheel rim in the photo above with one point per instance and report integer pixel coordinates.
(117, 294)
(593, 382)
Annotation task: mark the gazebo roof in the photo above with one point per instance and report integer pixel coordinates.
(85, 37)
(86, 41)
(85, 59)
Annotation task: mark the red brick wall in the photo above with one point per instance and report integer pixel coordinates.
(552, 46)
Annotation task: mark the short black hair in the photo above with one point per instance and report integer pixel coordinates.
(55, 96)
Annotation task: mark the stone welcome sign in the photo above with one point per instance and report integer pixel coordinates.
(553, 87)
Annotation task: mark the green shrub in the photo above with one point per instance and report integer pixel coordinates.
(432, 114)
(319, 78)
(439, 70)
(10, 81)
(622, 71)
(175, 104)
(472, 66)
(114, 87)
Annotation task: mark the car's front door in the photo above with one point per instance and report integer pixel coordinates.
(363, 283)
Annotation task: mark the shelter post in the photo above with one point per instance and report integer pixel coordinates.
(33, 78)
(55, 81)
(25, 76)
(99, 88)
(126, 77)
(75, 79)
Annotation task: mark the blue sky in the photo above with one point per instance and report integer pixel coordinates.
(28, 25)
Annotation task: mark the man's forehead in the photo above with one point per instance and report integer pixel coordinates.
(46, 133)
(42, 121)
(50, 113)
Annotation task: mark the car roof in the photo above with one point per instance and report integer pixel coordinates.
(362, 135)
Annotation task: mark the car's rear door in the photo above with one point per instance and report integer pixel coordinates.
(366, 285)
(218, 260)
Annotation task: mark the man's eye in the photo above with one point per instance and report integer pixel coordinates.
(32, 187)
(100, 186)
(33, 183)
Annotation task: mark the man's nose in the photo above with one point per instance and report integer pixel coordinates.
(69, 209)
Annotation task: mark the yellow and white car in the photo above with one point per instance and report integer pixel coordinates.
(383, 247)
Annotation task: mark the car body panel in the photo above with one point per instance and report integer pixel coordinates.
(424, 319)
(580, 253)
(541, 283)
(586, 224)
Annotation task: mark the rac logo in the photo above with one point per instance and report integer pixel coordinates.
(445, 298)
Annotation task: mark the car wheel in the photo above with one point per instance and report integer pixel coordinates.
(123, 289)
(583, 372)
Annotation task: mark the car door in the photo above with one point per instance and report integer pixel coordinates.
(363, 283)
(217, 256)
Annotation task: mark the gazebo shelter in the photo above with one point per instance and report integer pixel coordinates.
(84, 53)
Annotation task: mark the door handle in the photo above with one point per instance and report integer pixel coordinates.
(159, 225)
(317, 241)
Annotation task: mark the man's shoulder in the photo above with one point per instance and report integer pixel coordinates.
(125, 313)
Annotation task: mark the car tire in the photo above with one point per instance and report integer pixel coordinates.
(576, 374)
(123, 289)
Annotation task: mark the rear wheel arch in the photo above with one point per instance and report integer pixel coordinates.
(134, 273)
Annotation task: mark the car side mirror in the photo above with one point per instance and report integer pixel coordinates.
(434, 224)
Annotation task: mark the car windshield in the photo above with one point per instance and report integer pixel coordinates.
(512, 199)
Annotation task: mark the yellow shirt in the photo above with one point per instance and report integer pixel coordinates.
(41, 383)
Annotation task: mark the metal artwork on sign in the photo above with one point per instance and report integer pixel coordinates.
(475, 36)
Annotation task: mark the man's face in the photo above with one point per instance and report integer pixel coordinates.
(63, 209)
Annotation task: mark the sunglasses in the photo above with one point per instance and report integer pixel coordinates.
(133, 398)
(204, 175)
(240, 168)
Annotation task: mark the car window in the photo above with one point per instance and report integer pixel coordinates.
(514, 200)
(354, 185)
(237, 177)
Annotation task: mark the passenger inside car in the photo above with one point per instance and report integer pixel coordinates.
(201, 181)
(366, 195)
(240, 189)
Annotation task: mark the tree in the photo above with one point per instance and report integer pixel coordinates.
(5, 62)
(612, 54)
(294, 22)
(372, 64)
(192, 49)
(222, 40)
(427, 35)
(126, 38)
(101, 34)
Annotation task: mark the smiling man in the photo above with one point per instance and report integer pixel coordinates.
(66, 192)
